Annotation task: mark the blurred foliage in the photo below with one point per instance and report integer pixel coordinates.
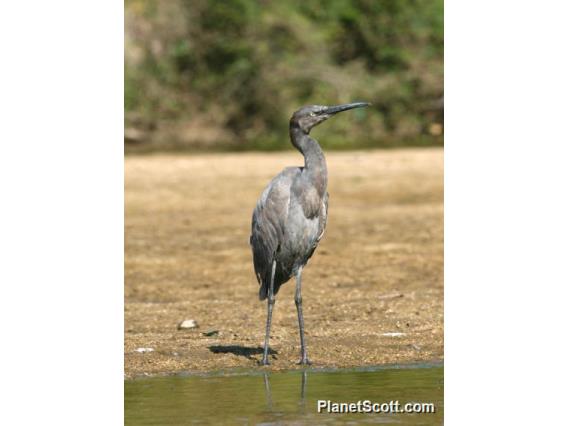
(202, 74)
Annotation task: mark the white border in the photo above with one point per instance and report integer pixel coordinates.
(61, 236)
(506, 212)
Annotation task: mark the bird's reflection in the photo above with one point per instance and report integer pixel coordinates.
(303, 388)
(267, 392)
(303, 391)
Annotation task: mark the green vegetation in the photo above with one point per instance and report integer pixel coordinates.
(203, 74)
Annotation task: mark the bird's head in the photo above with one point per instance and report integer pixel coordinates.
(310, 116)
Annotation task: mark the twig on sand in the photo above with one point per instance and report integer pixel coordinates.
(390, 296)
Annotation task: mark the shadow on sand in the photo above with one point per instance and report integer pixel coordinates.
(240, 351)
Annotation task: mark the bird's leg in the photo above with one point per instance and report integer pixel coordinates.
(271, 301)
(298, 299)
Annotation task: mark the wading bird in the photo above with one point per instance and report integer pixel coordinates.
(290, 216)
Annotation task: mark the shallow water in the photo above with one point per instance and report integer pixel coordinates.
(256, 397)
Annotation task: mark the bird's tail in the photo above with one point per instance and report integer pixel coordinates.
(263, 291)
(265, 282)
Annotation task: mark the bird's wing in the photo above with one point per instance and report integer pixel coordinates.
(305, 190)
(269, 221)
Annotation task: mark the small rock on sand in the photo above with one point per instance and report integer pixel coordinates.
(187, 324)
(393, 334)
(144, 350)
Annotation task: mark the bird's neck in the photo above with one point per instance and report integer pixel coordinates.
(314, 160)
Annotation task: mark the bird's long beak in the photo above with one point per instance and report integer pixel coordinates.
(345, 107)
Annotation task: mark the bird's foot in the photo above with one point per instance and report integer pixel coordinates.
(305, 361)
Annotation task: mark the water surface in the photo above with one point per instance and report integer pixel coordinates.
(283, 397)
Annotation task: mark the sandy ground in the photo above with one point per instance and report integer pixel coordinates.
(377, 271)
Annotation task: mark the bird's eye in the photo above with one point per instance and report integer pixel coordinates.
(312, 114)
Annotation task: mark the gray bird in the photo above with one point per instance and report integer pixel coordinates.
(290, 217)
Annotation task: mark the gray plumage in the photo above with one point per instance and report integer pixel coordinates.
(288, 222)
(290, 217)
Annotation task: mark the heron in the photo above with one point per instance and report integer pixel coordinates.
(290, 217)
